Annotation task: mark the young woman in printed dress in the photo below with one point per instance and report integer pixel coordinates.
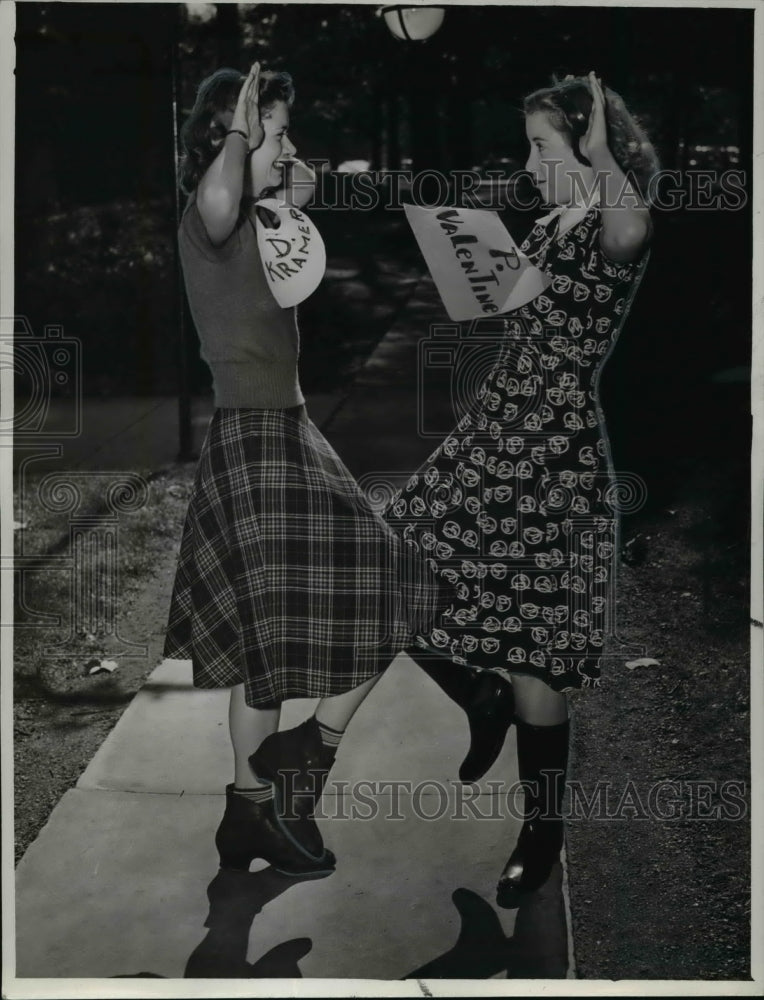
(521, 499)
(517, 508)
(288, 583)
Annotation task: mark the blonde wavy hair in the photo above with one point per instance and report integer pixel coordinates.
(568, 103)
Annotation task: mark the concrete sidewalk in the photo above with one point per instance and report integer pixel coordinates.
(123, 880)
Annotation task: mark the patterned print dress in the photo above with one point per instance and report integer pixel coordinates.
(517, 508)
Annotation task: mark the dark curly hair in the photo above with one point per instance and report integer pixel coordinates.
(568, 103)
(202, 133)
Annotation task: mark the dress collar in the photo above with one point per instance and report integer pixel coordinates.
(569, 215)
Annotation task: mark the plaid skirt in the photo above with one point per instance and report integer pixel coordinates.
(287, 579)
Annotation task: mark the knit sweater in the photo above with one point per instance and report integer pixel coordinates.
(249, 342)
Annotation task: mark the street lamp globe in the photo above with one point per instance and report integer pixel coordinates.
(412, 24)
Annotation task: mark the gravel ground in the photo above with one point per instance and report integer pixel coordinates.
(650, 898)
(62, 713)
(669, 898)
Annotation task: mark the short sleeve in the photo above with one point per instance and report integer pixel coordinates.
(193, 230)
(613, 271)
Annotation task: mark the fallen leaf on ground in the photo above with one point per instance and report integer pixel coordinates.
(108, 666)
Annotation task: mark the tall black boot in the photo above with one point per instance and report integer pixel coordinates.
(542, 758)
(487, 699)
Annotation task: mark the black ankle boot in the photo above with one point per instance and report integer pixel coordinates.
(251, 830)
(542, 757)
(488, 701)
(297, 764)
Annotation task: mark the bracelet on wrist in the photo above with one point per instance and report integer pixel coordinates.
(238, 131)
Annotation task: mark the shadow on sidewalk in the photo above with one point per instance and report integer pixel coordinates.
(235, 900)
(537, 949)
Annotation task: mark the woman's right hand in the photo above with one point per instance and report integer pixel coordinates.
(246, 117)
(219, 193)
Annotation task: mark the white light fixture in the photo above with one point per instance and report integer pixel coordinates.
(413, 24)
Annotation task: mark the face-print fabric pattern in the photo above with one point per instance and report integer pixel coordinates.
(516, 508)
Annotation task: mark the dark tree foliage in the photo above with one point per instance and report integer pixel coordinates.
(93, 115)
(95, 193)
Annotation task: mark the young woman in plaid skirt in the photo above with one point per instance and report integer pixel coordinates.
(288, 584)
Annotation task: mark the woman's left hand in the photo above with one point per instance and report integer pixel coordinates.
(596, 133)
(246, 117)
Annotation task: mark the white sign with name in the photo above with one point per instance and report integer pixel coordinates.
(476, 265)
(292, 252)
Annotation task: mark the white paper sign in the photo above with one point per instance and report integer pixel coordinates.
(292, 253)
(476, 265)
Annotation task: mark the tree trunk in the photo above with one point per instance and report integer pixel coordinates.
(393, 133)
(424, 139)
(375, 130)
(229, 35)
(458, 129)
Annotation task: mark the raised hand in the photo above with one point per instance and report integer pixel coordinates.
(246, 117)
(595, 139)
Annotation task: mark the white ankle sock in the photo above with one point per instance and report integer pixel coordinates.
(261, 793)
(330, 737)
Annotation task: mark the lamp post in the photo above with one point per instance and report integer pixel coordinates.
(412, 24)
(409, 23)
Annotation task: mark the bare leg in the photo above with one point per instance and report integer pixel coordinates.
(536, 703)
(248, 727)
(337, 710)
(249, 828)
(297, 762)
